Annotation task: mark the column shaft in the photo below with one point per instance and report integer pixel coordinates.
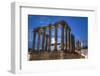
(66, 37)
(68, 41)
(73, 42)
(62, 39)
(43, 40)
(56, 30)
(38, 42)
(46, 46)
(34, 38)
(49, 48)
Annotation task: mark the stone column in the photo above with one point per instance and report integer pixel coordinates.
(69, 40)
(46, 46)
(78, 45)
(38, 42)
(49, 48)
(62, 38)
(43, 40)
(34, 38)
(73, 42)
(66, 37)
(56, 32)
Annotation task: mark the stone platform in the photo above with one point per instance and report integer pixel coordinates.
(54, 55)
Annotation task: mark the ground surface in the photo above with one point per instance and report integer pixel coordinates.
(54, 55)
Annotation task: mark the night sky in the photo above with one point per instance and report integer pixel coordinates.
(78, 25)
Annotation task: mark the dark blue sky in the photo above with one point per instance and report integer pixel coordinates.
(78, 25)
